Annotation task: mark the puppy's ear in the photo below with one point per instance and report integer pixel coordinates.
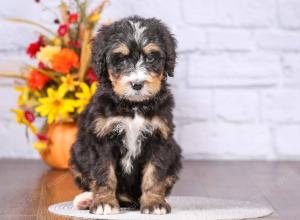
(99, 54)
(171, 44)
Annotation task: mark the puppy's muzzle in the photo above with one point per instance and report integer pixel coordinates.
(137, 85)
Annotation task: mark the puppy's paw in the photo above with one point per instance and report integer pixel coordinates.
(83, 200)
(157, 208)
(105, 207)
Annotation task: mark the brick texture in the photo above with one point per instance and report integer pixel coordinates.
(281, 106)
(289, 13)
(236, 84)
(226, 140)
(231, 13)
(236, 106)
(287, 139)
(233, 70)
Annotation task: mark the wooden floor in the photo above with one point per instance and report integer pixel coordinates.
(27, 187)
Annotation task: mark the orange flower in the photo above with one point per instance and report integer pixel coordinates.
(65, 60)
(37, 80)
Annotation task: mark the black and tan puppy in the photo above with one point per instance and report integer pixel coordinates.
(125, 153)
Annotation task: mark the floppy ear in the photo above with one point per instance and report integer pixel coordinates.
(170, 43)
(98, 55)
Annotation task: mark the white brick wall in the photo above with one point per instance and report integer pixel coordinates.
(237, 82)
(237, 106)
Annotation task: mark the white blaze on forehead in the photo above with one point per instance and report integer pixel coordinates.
(137, 30)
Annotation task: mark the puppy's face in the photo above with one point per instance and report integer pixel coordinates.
(136, 71)
(137, 56)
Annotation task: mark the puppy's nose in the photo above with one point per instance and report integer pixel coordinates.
(137, 85)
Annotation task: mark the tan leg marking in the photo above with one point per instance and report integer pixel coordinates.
(153, 193)
(104, 201)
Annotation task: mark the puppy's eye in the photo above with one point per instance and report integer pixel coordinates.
(150, 58)
(119, 58)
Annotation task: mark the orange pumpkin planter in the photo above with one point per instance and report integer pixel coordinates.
(62, 81)
(61, 136)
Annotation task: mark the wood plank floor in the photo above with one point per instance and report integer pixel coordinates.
(28, 187)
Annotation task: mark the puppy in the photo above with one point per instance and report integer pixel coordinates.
(125, 154)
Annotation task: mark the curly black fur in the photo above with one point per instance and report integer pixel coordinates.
(92, 154)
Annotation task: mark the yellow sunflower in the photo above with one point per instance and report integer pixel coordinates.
(85, 96)
(24, 96)
(55, 106)
(68, 83)
(27, 97)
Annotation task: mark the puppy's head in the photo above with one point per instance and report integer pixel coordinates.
(134, 55)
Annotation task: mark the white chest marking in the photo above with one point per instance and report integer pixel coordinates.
(133, 134)
(134, 129)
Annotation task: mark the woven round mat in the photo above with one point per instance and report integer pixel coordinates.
(183, 208)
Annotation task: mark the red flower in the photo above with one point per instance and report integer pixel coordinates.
(41, 65)
(91, 75)
(41, 137)
(73, 18)
(34, 47)
(62, 30)
(29, 116)
(75, 44)
(37, 80)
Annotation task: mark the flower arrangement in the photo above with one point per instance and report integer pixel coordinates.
(61, 83)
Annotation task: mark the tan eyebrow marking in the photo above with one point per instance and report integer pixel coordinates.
(150, 48)
(121, 48)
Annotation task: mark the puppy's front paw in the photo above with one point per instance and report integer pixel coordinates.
(157, 208)
(105, 207)
(83, 200)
